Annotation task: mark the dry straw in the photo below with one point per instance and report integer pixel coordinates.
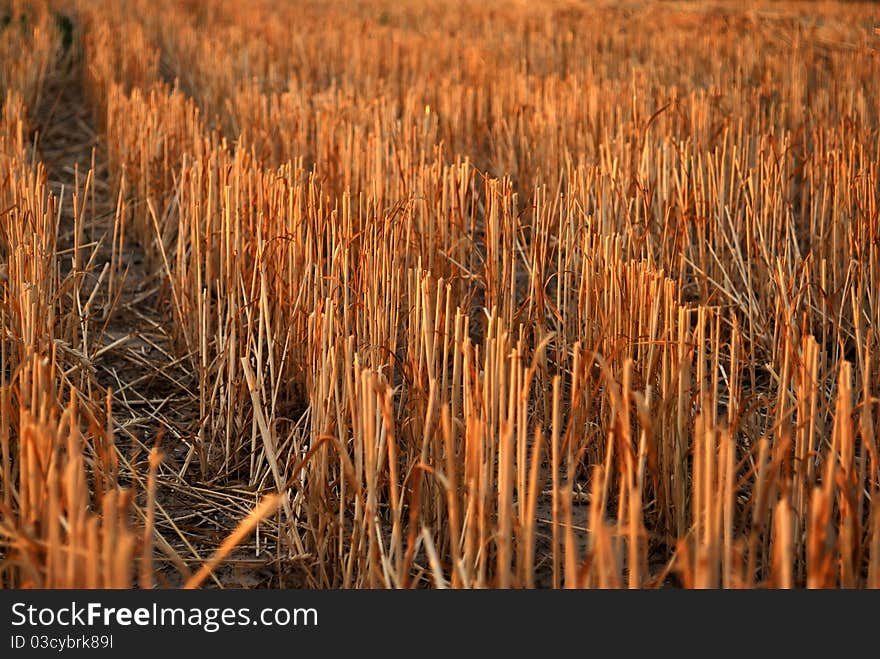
(504, 297)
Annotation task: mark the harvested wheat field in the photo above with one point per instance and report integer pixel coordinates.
(417, 294)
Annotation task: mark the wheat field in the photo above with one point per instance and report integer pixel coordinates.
(439, 294)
